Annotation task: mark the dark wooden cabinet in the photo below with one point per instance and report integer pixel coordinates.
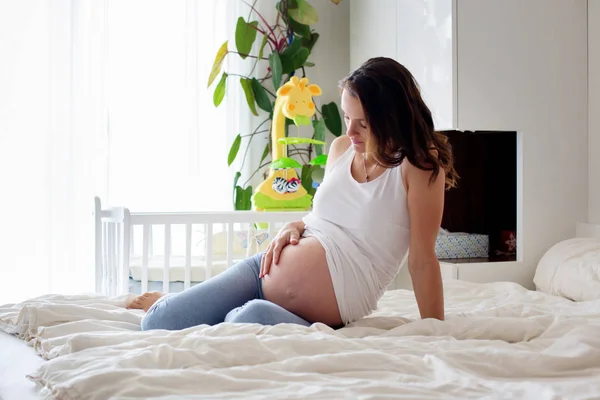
(485, 200)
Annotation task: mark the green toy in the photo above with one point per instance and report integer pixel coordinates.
(282, 190)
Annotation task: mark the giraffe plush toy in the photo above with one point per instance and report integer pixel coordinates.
(282, 190)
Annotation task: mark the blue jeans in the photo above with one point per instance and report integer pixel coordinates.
(234, 295)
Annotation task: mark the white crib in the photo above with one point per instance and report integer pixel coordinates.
(171, 251)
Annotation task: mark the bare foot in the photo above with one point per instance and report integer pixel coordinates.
(145, 301)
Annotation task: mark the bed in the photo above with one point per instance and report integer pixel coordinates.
(17, 360)
(499, 340)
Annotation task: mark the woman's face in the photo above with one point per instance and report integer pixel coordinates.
(357, 128)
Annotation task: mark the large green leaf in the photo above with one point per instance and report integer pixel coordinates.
(247, 87)
(333, 121)
(290, 4)
(261, 50)
(318, 174)
(236, 178)
(262, 99)
(276, 69)
(265, 153)
(306, 179)
(319, 127)
(219, 93)
(298, 140)
(309, 42)
(233, 151)
(299, 29)
(216, 67)
(285, 162)
(294, 56)
(319, 160)
(304, 13)
(243, 198)
(245, 35)
(248, 198)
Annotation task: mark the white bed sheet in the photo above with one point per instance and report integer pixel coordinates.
(17, 360)
(499, 341)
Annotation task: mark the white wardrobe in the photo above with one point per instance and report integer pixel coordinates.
(594, 110)
(502, 65)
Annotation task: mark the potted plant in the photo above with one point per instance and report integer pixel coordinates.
(284, 49)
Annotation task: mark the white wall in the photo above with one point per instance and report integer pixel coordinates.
(372, 30)
(594, 111)
(424, 46)
(522, 65)
(416, 33)
(332, 52)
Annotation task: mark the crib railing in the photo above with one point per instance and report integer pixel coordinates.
(118, 243)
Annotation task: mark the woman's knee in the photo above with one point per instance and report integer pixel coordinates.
(263, 312)
(253, 312)
(150, 321)
(157, 318)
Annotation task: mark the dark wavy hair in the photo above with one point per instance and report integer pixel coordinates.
(401, 124)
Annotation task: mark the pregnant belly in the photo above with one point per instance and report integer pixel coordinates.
(301, 283)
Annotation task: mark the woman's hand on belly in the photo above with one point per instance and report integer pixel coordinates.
(289, 234)
(301, 283)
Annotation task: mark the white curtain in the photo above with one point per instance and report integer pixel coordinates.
(104, 98)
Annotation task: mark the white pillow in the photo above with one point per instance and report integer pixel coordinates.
(571, 269)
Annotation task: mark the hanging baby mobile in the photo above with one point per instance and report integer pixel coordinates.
(282, 189)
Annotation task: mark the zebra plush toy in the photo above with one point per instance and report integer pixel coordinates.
(281, 185)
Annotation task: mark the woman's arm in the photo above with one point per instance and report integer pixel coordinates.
(425, 208)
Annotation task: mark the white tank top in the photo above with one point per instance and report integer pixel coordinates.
(364, 229)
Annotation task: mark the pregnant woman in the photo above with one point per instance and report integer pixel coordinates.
(383, 192)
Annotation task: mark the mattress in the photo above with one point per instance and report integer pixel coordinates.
(17, 359)
(157, 286)
(176, 268)
(498, 341)
(245, 243)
